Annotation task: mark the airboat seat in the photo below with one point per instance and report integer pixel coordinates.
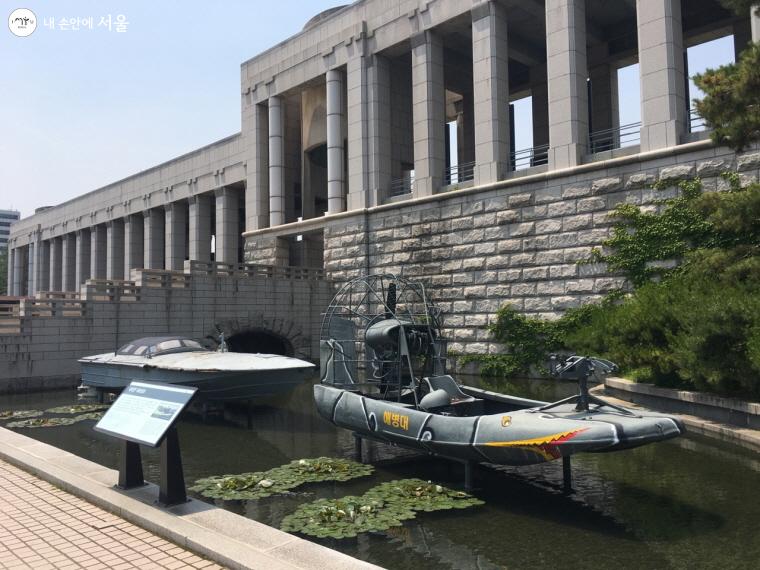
(456, 397)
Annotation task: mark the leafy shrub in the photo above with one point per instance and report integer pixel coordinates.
(700, 325)
(731, 105)
(693, 323)
(528, 341)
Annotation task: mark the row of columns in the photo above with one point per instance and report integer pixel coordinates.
(366, 86)
(152, 239)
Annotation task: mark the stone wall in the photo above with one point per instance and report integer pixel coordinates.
(53, 334)
(519, 243)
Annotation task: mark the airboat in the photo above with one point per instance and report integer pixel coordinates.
(383, 376)
(219, 375)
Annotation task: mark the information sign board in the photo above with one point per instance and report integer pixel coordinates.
(144, 411)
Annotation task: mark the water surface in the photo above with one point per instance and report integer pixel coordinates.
(685, 503)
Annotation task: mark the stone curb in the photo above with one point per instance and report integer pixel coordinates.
(744, 437)
(221, 536)
(752, 408)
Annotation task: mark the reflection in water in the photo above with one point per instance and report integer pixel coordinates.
(683, 503)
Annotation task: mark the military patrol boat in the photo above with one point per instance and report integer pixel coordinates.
(219, 375)
(383, 377)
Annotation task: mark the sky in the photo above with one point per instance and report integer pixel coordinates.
(80, 109)
(83, 108)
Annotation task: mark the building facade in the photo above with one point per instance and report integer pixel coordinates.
(7, 217)
(346, 157)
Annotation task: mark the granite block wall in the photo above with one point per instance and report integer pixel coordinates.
(521, 244)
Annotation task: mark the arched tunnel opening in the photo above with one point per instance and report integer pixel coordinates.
(261, 341)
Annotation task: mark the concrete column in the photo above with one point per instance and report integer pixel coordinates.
(362, 131)
(336, 119)
(490, 73)
(18, 271)
(56, 252)
(428, 113)
(69, 259)
(83, 249)
(200, 225)
(133, 243)
(30, 269)
(44, 282)
(603, 106)
(379, 123)
(257, 175)
(98, 254)
(755, 23)
(9, 282)
(742, 35)
(37, 282)
(153, 242)
(227, 230)
(276, 163)
(115, 249)
(176, 228)
(566, 81)
(664, 116)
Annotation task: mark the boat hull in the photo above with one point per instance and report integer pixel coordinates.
(512, 437)
(212, 385)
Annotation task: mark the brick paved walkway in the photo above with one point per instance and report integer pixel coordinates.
(42, 527)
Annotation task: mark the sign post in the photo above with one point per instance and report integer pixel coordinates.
(145, 413)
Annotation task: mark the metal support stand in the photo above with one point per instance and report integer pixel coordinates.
(172, 485)
(130, 466)
(358, 454)
(567, 475)
(469, 467)
(249, 414)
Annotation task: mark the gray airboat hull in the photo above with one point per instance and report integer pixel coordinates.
(518, 435)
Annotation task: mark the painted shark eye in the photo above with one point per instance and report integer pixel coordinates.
(427, 435)
(372, 421)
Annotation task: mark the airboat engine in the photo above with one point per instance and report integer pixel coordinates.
(384, 329)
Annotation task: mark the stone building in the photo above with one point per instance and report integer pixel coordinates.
(7, 217)
(345, 159)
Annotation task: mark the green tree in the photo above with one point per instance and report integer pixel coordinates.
(740, 7)
(696, 325)
(731, 106)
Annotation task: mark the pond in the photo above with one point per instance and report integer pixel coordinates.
(684, 503)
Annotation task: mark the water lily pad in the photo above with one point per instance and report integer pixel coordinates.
(55, 422)
(259, 484)
(379, 509)
(17, 414)
(77, 409)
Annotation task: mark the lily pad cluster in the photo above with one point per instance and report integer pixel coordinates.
(259, 484)
(19, 414)
(77, 409)
(381, 508)
(52, 422)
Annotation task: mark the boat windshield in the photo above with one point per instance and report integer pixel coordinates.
(152, 346)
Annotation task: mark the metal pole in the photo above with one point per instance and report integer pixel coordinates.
(468, 475)
(567, 475)
(358, 455)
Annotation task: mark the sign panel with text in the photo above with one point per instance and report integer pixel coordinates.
(144, 411)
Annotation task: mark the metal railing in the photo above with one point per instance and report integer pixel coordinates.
(618, 137)
(529, 157)
(458, 173)
(401, 186)
(696, 121)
